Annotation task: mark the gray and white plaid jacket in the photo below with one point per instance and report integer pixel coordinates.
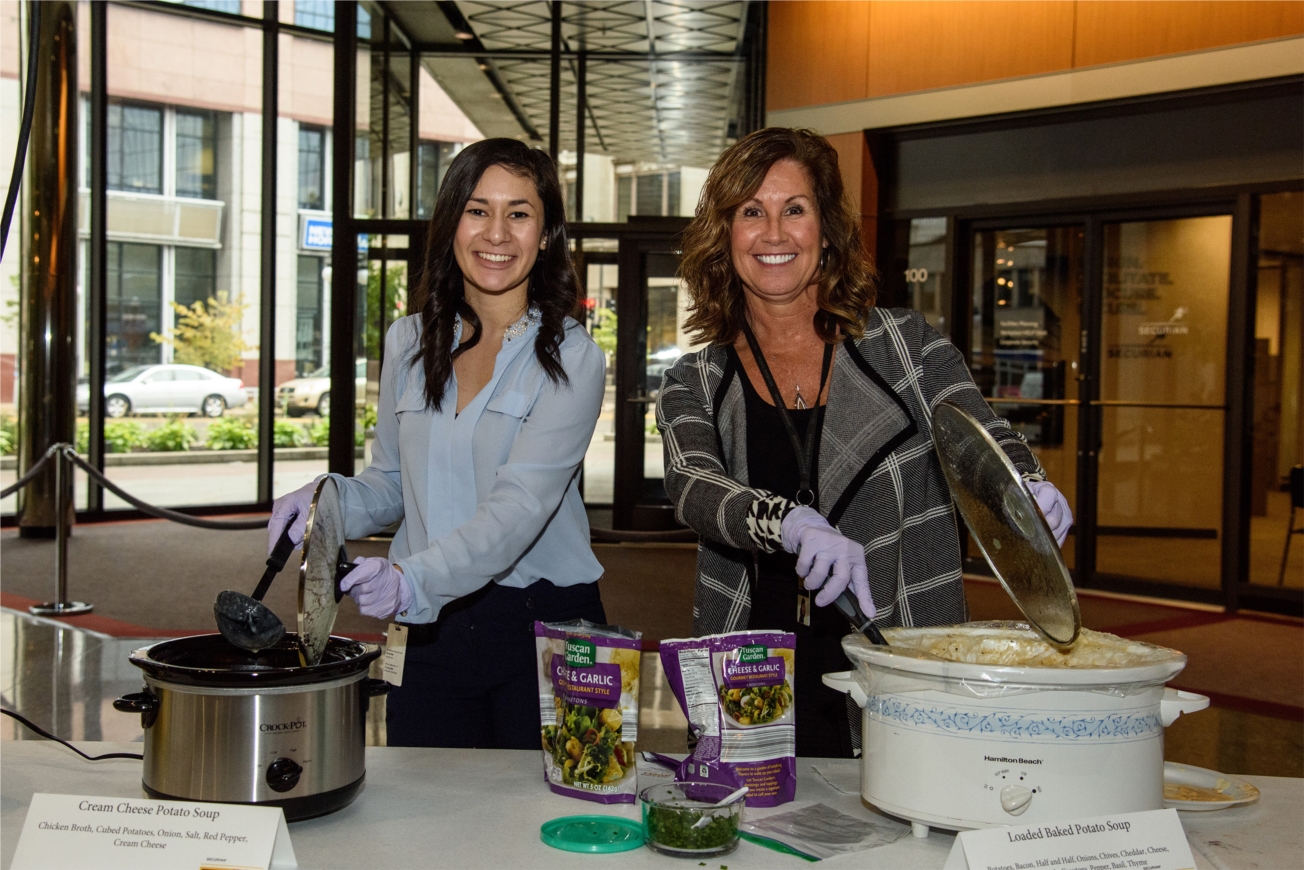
(879, 479)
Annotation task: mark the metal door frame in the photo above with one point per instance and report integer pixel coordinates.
(1237, 445)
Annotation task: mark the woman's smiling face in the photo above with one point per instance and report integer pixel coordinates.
(500, 233)
(776, 241)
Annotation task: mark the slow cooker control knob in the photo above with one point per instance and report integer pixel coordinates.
(283, 774)
(1015, 799)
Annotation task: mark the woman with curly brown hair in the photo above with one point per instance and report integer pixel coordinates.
(489, 394)
(798, 442)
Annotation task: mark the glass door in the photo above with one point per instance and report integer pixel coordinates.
(650, 307)
(1161, 406)
(1026, 310)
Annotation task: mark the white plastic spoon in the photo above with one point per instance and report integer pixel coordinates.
(728, 799)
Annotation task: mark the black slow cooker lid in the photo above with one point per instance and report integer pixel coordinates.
(210, 660)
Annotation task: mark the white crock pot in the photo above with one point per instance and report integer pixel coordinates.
(961, 746)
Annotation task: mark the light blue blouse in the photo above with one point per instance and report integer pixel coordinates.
(489, 495)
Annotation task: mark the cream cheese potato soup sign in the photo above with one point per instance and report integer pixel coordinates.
(1151, 840)
(76, 831)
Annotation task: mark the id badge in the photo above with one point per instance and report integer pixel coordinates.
(803, 608)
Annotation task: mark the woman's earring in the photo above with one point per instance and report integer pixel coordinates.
(824, 259)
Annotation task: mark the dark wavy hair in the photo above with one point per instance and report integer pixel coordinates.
(554, 284)
(848, 281)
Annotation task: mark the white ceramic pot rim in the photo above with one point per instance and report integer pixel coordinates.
(1164, 664)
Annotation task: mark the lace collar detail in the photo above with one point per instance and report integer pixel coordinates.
(532, 317)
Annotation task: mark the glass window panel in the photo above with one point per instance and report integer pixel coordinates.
(624, 202)
(303, 285)
(317, 14)
(1027, 299)
(927, 288)
(600, 282)
(135, 148)
(229, 6)
(309, 315)
(649, 200)
(312, 151)
(1163, 369)
(196, 276)
(134, 291)
(197, 154)
(1278, 391)
(167, 140)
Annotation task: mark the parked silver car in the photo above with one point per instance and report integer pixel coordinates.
(312, 392)
(167, 389)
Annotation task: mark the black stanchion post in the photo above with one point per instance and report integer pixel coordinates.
(61, 606)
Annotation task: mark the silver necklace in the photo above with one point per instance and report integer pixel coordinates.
(799, 403)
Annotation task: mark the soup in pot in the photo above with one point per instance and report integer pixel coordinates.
(1010, 645)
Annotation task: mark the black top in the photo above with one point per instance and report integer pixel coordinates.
(822, 729)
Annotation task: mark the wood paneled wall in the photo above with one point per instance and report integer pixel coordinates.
(829, 52)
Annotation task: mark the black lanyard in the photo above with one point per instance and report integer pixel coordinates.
(805, 452)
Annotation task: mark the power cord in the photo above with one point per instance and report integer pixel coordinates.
(47, 735)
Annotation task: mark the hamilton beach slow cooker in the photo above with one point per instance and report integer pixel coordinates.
(974, 744)
(223, 724)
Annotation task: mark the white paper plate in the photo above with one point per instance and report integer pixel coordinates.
(1194, 789)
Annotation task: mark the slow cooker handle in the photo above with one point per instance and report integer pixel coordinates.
(374, 687)
(1176, 702)
(145, 703)
(844, 682)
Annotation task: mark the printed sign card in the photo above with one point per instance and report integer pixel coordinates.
(73, 831)
(1152, 840)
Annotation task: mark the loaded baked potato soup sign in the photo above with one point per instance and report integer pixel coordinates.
(62, 831)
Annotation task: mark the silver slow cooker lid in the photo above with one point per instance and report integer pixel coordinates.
(1006, 523)
(209, 660)
(323, 550)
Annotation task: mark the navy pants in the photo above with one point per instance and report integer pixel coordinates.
(470, 679)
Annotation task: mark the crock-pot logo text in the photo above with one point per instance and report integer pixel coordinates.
(283, 727)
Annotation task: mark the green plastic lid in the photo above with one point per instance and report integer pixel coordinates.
(593, 834)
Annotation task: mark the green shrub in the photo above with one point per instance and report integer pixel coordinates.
(319, 433)
(287, 434)
(367, 421)
(171, 436)
(82, 440)
(122, 436)
(8, 436)
(231, 434)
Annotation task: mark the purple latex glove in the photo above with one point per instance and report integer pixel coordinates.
(291, 510)
(378, 586)
(824, 553)
(1054, 506)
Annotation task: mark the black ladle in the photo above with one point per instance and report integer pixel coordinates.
(244, 620)
(848, 606)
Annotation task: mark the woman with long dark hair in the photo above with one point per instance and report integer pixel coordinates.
(488, 398)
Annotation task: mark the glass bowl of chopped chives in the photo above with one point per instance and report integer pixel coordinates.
(682, 819)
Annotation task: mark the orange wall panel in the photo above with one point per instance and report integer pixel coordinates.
(914, 46)
(817, 52)
(1108, 32)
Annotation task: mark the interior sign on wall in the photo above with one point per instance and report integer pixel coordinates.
(1129, 286)
(1174, 325)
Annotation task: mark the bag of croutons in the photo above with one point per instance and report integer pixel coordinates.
(737, 691)
(588, 708)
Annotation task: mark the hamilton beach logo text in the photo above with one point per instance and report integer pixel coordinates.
(282, 727)
(1003, 760)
